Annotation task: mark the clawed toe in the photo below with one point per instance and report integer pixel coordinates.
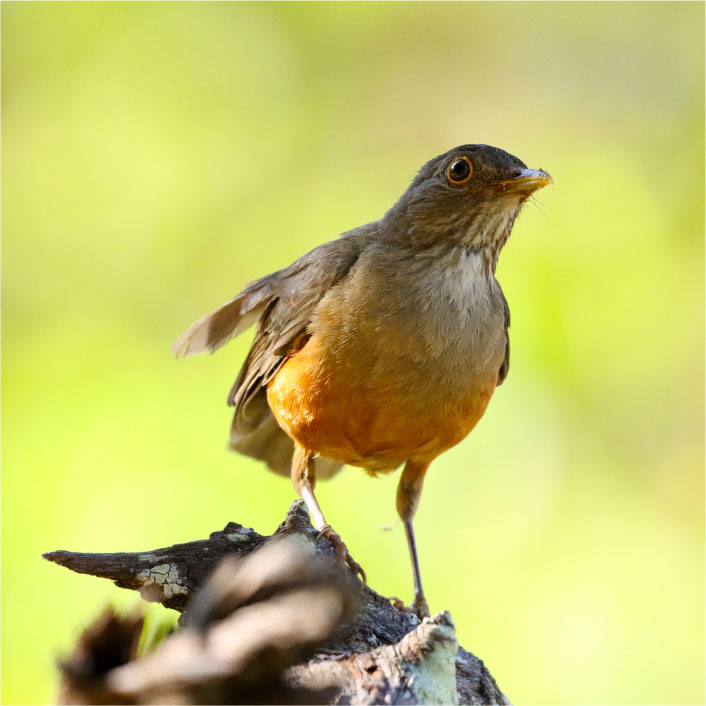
(398, 603)
(419, 607)
(356, 568)
(342, 550)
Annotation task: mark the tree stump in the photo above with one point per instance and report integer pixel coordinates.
(265, 619)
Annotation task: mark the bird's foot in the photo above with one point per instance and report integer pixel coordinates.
(342, 550)
(398, 603)
(420, 607)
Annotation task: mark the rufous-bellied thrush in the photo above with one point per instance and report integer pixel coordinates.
(384, 346)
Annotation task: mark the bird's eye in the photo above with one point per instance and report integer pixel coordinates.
(460, 170)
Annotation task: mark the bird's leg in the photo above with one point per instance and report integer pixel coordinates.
(420, 605)
(304, 480)
(409, 491)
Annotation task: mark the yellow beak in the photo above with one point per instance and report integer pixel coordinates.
(528, 181)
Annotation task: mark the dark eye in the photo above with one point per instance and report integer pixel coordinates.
(460, 170)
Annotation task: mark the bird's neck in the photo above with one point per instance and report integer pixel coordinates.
(482, 233)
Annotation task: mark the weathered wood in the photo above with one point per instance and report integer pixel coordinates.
(364, 649)
(170, 575)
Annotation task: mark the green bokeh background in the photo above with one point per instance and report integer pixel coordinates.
(156, 156)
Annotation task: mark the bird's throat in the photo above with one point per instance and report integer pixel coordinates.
(489, 230)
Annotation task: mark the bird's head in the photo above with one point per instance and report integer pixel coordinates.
(469, 197)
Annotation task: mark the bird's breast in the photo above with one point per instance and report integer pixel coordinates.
(390, 371)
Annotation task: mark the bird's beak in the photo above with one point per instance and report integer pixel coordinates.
(528, 181)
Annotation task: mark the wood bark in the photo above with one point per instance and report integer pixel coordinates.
(265, 619)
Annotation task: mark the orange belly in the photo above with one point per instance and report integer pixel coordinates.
(376, 425)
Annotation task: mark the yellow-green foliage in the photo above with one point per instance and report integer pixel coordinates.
(156, 156)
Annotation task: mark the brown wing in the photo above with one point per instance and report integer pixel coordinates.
(284, 303)
(217, 327)
(281, 329)
(283, 324)
(505, 367)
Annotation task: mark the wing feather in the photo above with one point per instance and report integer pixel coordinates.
(505, 367)
(219, 326)
(296, 294)
(283, 305)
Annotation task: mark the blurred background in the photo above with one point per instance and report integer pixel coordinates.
(157, 156)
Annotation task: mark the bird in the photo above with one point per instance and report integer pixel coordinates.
(380, 348)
